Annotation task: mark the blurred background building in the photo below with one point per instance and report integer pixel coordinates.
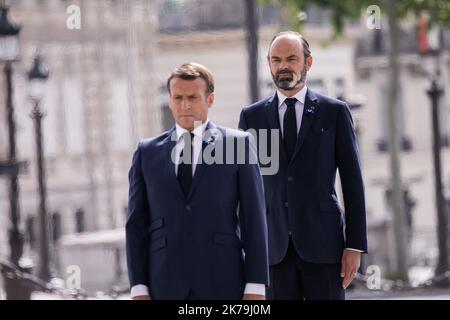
(107, 90)
(99, 100)
(416, 132)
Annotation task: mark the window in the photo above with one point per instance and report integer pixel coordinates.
(79, 221)
(122, 122)
(383, 141)
(56, 226)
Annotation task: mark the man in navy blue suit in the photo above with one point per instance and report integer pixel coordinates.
(196, 226)
(314, 247)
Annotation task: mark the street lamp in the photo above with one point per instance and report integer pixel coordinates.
(9, 37)
(37, 77)
(435, 92)
(9, 52)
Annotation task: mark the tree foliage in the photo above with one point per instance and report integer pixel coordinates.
(347, 10)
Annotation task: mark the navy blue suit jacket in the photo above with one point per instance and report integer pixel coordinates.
(214, 241)
(301, 197)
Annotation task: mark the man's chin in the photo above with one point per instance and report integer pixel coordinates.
(289, 86)
(286, 87)
(188, 125)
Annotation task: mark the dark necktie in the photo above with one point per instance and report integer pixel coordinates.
(290, 127)
(185, 169)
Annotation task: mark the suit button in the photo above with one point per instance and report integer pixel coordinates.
(286, 204)
(290, 178)
(187, 207)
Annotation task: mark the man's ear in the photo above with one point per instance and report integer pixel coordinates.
(210, 99)
(309, 61)
(170, 102)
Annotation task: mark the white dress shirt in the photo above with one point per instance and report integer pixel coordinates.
(196, 144)
(141, 289)
(299, 106)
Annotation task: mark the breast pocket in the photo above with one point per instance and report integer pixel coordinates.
(326, 141)
(158, 243)
(324, 131)
(156, 224)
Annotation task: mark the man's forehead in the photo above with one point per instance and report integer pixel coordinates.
(287, 43)
(179, 84)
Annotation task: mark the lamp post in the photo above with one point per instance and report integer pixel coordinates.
(430, 43)
(37, 77)
(9, 52)
(434, 93)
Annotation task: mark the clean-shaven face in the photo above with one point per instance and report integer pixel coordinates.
(189, 101)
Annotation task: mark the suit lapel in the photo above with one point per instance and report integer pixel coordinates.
(169, 145)
(310, 111)
(273, 118)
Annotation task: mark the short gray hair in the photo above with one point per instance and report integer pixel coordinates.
(306, 50)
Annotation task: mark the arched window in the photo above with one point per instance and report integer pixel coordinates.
(56, 226)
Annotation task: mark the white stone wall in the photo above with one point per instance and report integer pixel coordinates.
(99, 102)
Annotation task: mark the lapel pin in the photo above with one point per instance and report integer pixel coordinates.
(310, 110)
(211, 139)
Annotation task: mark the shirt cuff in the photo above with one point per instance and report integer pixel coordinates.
(357, 250)
(139, 290)
(255, 288)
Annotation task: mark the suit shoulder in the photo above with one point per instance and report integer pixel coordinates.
(255, 107)
(230, 132)
(330, 102)
(152, 142)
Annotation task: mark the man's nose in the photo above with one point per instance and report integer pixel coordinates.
(185, 105)
(283, 65)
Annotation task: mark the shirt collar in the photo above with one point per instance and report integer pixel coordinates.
(300, 96)
(198, 131)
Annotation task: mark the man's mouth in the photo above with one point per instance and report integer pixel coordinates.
(284, 75)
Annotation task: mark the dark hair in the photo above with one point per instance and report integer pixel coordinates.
(192, 71)
(306, 50)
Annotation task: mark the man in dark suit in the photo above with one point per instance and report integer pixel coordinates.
(196, 226)
(314, 250)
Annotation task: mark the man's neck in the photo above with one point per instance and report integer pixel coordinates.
(199, 127)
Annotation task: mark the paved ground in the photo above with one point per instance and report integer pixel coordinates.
(414, 294)
(430, 294)
(356, 294)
